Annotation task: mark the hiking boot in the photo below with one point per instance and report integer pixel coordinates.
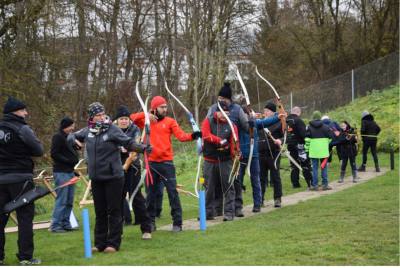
(354, 172)
(238, 213)
(341, 176)
(58, 231)
(110, 250)
(278, 203)
(256, 208)
(146, 236)
(2, 262)
(30, 262)
(176, 229)
(326, 187)
(362, 168)
(71, 229)
(314, 188)
(228, 218)
(218, 213)
(127, 223)
(377, 167)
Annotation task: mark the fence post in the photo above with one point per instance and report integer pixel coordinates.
(352, 85)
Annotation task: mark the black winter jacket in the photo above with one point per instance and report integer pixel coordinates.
(296, 131)
(348, 144)
(369, 127)
(265, 143)
(63, 155)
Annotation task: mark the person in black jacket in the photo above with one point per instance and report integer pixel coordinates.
(64, 159)
(296, 141)
(132, 176)
(369, 127)
(102, 140)
(348, 141)
(17, 145)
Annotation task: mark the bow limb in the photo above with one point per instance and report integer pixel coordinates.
(355, 130)
(251, 130)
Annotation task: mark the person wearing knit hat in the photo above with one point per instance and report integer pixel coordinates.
(335, 141)
(103, 146)
(18, 145)
(316, 115)
(132, 176)
(161, 160)
(271, 107)
(240, 120)
(64, 160)
(370, 128)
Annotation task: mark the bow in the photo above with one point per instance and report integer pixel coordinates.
(146, 170)
(355, 130)
(249, 118)
(195, 128)
(281, 111)
(236, 162)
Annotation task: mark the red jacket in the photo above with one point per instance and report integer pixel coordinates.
(161, 136)
(210, 138)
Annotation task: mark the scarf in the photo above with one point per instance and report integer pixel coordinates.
(96, 127)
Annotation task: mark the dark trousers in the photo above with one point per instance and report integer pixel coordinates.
(167, 170)
(132, 178)
(352, 163)
(25, 215)
(366, 146)
(107, 197)
(305, 165)
(219, 196)
(266, 162)
(339, 152)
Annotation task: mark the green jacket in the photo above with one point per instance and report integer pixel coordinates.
(318, 139)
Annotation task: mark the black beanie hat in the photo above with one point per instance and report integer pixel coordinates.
(66, 122)
(12, 105)
(223, 105)
(226, 91)
(95, 108)
(122, 111)
(270, 106)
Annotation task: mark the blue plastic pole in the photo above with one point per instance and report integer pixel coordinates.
(202, 205)
(86, 233)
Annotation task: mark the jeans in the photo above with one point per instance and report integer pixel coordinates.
(64, 200)
(324, 172)
(255, 178)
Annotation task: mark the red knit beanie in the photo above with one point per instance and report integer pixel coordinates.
(157, 101)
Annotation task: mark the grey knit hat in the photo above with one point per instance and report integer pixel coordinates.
(364, 114)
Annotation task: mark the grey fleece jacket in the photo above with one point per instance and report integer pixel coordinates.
(104, 152)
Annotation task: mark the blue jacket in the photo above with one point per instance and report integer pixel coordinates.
(244, 141)
(332, 124)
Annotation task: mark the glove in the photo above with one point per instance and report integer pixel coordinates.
(252, 124)
(149, 149)
(224, 144)
(196, 135)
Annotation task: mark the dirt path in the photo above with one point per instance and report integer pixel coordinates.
(194, 224)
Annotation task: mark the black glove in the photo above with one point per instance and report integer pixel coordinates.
(252, 124)
(149, 148)
(196, 135)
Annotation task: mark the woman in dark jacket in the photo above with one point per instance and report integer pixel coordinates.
(371, 128)
(348, 141)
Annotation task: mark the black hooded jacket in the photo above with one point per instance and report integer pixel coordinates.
(63, 155)
(296, 131)
(369, 127)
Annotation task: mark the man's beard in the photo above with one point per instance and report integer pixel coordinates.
(160, 116)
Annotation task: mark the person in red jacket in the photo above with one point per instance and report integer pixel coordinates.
(218, 153)
(161, 159)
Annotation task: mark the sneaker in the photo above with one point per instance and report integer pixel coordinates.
(314, 188)
(58, 231)
(30, 262)
(2, 262)
(238, 213)
(176, 229)
(70, 229)
(96, 249)
(256, 208)
(127, 223)
(228, 218)
(218, 213)
(110, 250)
(326, 187)
(146, 236)
(278, 203)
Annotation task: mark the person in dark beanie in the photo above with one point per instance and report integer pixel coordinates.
(64, 160)
(369, 127)
(103, 140)
(240, 120)
(132, 176)
(17, 145)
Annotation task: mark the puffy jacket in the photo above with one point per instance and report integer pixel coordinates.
(348, 144)
(332, 125)
(318, 139)
(296, 131)
(369, 127)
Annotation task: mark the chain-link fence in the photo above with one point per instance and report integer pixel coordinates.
(341, 90)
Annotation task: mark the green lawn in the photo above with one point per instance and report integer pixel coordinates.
(357, 226)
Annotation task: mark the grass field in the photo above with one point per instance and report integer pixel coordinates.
(358, 226)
